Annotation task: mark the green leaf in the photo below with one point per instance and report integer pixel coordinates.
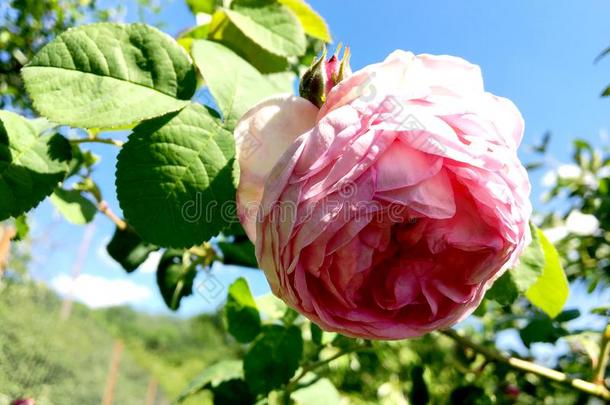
(470, 395)
(243, 318)
(273, 358)
(271, 307)
(73, 206)
(567, 315)
(128, 249)
(606, 92)
(239, 253)
(234, 83)
(175, 280)
(550, 291)
(235, 391)
(313, 24)
(174, 178)
(504, 291)
(107, 75)
(203, 6)
(541, 329)
(31, 166)
(321, 392)
(519, 279)
(21, 227)
(419, 394)
(213, 376)
(531, 263)
(282, 82)
(273, 27)
(224, 31)
(316, 333)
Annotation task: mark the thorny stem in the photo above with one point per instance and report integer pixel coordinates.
(604, 355)
(527, 366)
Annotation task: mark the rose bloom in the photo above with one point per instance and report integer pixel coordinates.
(390, 210)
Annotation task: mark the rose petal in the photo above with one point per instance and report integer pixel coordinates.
(262, 135)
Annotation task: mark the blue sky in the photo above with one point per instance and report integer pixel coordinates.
(539, 54)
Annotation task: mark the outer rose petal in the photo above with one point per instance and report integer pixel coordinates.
(262, 135)
(409, 76)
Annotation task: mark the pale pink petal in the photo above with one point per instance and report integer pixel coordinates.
(262, 135)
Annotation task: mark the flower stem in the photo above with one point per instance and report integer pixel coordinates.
(311, 367)
(107, 141)
(527, 366)
(103, 207)
(604, 355)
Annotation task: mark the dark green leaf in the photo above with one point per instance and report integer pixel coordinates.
(243, 318)
(233, 392)
(541, 330)
(175, 280)
(31, 166)
(419, 393)
(175, 179)
(504, 290)
(469, 395)
(128, 249)
(273, 358)
(238, 253)
(567, 315)
(316, 333)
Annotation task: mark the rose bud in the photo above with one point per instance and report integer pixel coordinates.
(390, 209)
(323, 75)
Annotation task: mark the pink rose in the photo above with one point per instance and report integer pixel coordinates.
(388, 212)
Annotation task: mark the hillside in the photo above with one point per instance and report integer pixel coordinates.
(67, 362)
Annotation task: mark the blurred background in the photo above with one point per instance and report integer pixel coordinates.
(75, 328)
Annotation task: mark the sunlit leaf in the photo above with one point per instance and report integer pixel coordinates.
(174, 178)
(243, 319)
(273, 27)
(313, 24)
(73, 206)
(234, 83)
(550, 291)
(108, 75)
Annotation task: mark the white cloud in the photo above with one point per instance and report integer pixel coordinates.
(582, 224)
(100, 292)
(151, 263)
